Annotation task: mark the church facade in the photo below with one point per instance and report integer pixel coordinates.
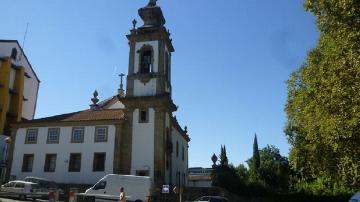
(134, 133)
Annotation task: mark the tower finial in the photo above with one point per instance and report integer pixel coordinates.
(121, 89)
(95, 100)
(134, 24)
(152, 3)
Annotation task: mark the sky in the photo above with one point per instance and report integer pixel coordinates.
(229, 69)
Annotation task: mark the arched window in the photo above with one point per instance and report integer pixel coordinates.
(14, 54)
(146, 61)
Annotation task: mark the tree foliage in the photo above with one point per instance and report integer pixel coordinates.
(223, 157)
(255, 162)
(274, 169)
(323, 106)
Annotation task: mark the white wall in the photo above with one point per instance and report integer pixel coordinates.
(179, 165)
(116, 105)
(31, 86)
(142, 154)
(147, 89)
(63, 150)
(138, 46)
(200, 183)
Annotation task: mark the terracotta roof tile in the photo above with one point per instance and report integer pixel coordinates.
(87, 115)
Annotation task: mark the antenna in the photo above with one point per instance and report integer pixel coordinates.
(23, 43)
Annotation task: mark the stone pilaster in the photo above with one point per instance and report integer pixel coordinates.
(130, 82)
(126, 144)
(159, 147)
(117, 151)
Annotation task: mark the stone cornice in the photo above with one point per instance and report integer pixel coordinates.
(183, 133)
(66, 124)
(159, 102)
(151, 34)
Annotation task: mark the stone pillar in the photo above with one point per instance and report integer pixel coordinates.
(5, 68)
(126, 144)
(159, 147)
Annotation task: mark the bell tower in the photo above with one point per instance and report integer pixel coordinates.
(150, 54)
(148, 101)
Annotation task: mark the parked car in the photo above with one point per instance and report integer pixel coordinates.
(137, 188)
(22, 190)
(355, 198)
(211, 199)
(45, 185)
(42, 182)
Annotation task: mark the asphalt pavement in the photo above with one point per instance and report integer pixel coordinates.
(2, 199)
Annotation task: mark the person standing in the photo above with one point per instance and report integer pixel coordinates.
(122, 195)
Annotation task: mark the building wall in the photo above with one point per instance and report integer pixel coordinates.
(31, 83)
(63, 150)
(200, 183)
(143, 143)
(179, 165)
(145, 89)
(167, 171)
(117, 105)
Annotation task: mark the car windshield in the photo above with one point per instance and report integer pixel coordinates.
(42, 183)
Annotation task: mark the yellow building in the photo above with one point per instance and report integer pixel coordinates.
(19, 87)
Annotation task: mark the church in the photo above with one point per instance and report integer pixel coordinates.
(132, 133)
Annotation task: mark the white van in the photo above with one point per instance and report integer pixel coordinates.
(136, 188)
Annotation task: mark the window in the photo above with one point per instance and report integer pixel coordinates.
(100, 185)
(183, 153)
(143, 116)
(19, 185)
(75, 162)
(50, 163)
(31, 136)
(99, 162)
(27, 165)
(184, 178)
(14, 53)
(177, 149)
(53, 136)
(142, 173)
(77, 135)
(101, 134)
(146, 61)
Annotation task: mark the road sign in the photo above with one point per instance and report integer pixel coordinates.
(176, 190)
(165, 189)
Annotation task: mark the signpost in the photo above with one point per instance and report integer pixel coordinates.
(165, 190)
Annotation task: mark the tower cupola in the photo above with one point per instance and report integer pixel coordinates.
(152, 15)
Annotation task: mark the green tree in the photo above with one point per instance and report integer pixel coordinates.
(323, 106)
(254, 163)
(274, 169)
(242, 173)
(223, 157)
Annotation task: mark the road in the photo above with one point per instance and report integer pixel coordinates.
(2, 199)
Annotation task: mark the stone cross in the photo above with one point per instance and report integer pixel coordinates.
(121, 89)
(134, 24)
(121, 78)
